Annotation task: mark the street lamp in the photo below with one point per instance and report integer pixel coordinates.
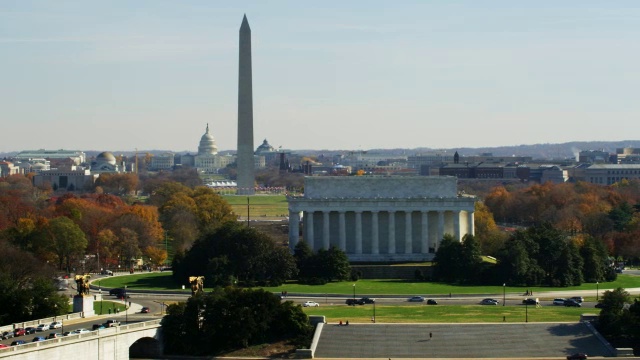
(597, 290)
(126, 311)
(354, 291)
(374, 311)
(504, 289)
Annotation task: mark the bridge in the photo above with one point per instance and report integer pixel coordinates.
(117, 343)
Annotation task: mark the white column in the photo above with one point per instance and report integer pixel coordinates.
(392, 232)
(358, 232)
(310, 229)
(456, 225)
(374, 233)
(471, 229)
(408, 233)
(294, 229)
(325, 230)
(343, 231)
(440, 227)
(424, 233)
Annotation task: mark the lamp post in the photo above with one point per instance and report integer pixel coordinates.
(248, 212)
(504, 294)
(526, 312)
(354, 291)
(126, 312)
(374, 311)
(597, 290)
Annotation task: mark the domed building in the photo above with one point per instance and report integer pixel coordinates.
(267, 151)
(106, 162)
(207, 160)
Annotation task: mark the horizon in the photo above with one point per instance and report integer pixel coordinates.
(333, 75)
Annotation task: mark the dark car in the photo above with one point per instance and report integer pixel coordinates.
(577, 356)
(578, 299)
(38, 338)
(98, 327)
(354, 302)
(30, 330)
(119, 292)
(18, 342)
(19, 332)
(432, 302)
(530, 301)
(367, 300)
(571, 303)
(54, 336)
(6, 335)
(145, 310)
(416, 299)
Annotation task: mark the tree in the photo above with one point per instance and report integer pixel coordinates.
(157, 256)
(334, 264)
(67, 240)
(448, 260)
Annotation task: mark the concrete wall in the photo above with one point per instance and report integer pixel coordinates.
(385, 187)
(107, 344)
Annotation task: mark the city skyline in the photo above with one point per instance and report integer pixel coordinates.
(152, 74)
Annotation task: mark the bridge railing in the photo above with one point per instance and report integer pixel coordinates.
(75, 337)
(48, 320)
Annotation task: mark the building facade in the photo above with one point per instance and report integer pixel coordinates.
(380, 218)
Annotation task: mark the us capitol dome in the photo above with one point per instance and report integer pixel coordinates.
(207, 144)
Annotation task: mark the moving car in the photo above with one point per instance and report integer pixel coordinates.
(3, 346)
(354, 302)
(42, 327)
(30, 330)
(432, 302)
(310, 304)
(38, 338)
(489, 302)
(7, 334)
(531, 301)
(97, 327)
(56, 325)
(578, 299)
(367, 300)
(577, 356)
(19, 332)
(53, 336)
(559, 301)
(571, 303)
(145, 310)
(111, 323)
(416, 299)
(107, 272)
(18, 342)
(80, 331)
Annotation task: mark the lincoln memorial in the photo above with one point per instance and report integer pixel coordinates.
(380, 218)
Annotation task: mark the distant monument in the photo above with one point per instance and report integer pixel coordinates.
(83, 302)
(245, 161)
(197, 284)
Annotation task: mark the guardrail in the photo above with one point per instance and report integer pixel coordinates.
(48, 320)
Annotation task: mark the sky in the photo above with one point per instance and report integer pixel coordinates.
(336, 75)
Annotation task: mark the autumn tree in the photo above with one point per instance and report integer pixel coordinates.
(157, 256)
(66, 240)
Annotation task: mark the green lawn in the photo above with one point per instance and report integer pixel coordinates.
(260, 206)
(164, 281)
(446, 313)
(102, 307)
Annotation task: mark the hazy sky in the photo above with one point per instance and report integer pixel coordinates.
(119, 75)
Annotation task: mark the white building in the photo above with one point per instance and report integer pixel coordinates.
(207, 160)
(380, 218)
(162, 161)
(78, 157)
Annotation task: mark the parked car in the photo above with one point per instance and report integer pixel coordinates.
(571, 303)
(354, 302)
(432, 302)
(6, 335)
(577, 356)
(559, 301)
(19, 332)
(310, 304)
(531, 301)
(38, 338)
(97, 327)
(18, 342)
(56, 325)
(489, 302)
(54, 336)
(111, 323)
(42, 327)
(416, 299)
(578, 299)
(367, 300)
(80, 331)
(145, 310)
(30, 330)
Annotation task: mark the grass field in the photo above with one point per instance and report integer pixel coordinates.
(447, 313)
(102, 307)
(164, 281)
(260, 206)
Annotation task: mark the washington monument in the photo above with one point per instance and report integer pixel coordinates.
(246, 173)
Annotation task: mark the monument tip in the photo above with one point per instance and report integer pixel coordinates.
(245, 23)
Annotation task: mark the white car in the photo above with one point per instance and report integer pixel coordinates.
(56, 325)
(80, 331)
(310, 304)
(42, 327)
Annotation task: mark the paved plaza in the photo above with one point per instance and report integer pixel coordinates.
(522, 340)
